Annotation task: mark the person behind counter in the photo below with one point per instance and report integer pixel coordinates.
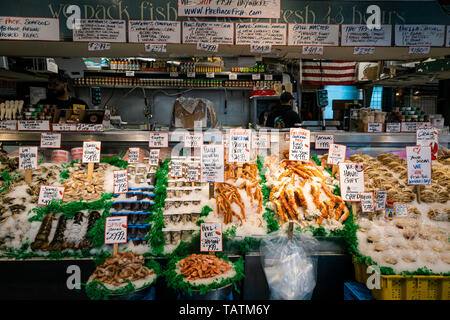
(282, 115)
(58, 94)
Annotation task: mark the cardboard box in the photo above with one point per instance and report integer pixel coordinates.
(187, 112)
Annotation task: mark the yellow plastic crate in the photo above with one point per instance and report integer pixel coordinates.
(398, 287)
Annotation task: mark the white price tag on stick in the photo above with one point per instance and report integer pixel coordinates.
(194, 140)
(212, 163)
(116, 229)
(48, 193)
(120, 181)
(28, 158)
(367, 203)
(50, 140)
(299, 144)
(336, 154)
(351, 181)
(154, 157)
(176, 168)
(91, 151)
(381, 200)
(159, 140)
(418, 159)
(428, 137)
(211, 237)
(401, 210)
(240, 145)
(323, 141)
(133, 155)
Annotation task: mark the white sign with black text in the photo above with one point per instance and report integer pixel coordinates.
(323, 141)
(351, 181)
(240, 145)
(49, 193)
(299, 144)
(212, 163)
(50, 140)
(210, 237)
(28, 158)
(159, 140)
(336, 154)
(116, 229)
(91, 151)
(418, 159)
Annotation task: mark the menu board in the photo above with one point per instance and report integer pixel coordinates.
(159, 140)
(29, 28)
(240, 145)
(261, 33)
(419, 35)
(48, 193)
(210, 237)
(28, 158)
(367, 204)
(299, 144)
(361, 35)
(212, 163)
(208, 32)
(418, 159)
(230, 8)
(116, 229)
(154, 31)
(351, 176)
(100, 30)
(313, 34)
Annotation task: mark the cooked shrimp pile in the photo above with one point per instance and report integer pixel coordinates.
(201, 266)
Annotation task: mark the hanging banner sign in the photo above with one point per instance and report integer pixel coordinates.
(212, 163)
(28, 158)
(419, 164)
(91, 151)
(159, 140)
(381, 200)
(155, 47)
(363, 50)
(261, 34)
(100, 30)
(48, 193)
(29, 28)
(116, 229)
(323, 141)
(50, 140)
(367, 204)
(208, 32)
(428, 137)
(240, 145)
(425, 35)
(313, 35)
(210, 237)
(336, 154)
(361, 35)
(299, 144)
(120, 181)
(154, 157)
(270, 9)
(351, 176)
(143, 31)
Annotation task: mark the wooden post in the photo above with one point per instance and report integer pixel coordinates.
(90, 170)
(28, 173)
(290, 230)
(211, 190)
(417, 189)
(354, 210)
(115, 247)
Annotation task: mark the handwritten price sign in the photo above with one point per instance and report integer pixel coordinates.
(194, 140)
(312, 50)
(99, 46)
(260, 48)
(419, 164)
(154, 157)
(48, 193)
(155, 47)
(208, 47)
(299, 144)
(50, 140)
(193, 172)
(381, 200)
(323, 141)
(240, 144)
(28, 158)
(159, 140)
(120, 181)
(401, 210)
(91, 151)
(428, 137)
(176, 168)
(393, 127)
(210, 237)
(363, 50)
(419, 50)
(212, 163)
(367, 204)
(336, 154)
(133, 155)
(116, 230)
(351, 176)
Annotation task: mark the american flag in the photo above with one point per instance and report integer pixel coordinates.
(328, 72)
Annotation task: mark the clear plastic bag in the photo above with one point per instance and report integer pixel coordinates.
(290, 265)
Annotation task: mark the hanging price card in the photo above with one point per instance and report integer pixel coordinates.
(401, 210)
(91, 151)
(240, 144)
(193, 140)
(176, 168)
(120, 181)
(299, 144)
(48, 193)
(367, 202)
(154, 157)
(28, 158)
(351, 176)
(323, 141)
(50, 140)
(210, 237)
(428, 137)
(116, 229)
(159, 140)
(381, 200)
(393, 127)
(212, 163)
(336, 154)
(419, 164)
(133, 155)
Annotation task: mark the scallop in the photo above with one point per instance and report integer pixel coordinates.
(390, 259)
(445, 258)
(415, 245)
(409, 233)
